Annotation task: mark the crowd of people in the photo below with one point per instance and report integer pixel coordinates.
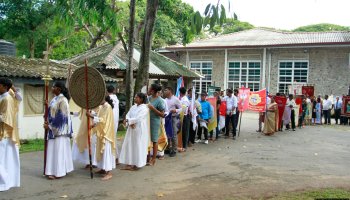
(154, 125)
(310, 112)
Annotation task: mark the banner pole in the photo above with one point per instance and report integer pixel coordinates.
(240, 121)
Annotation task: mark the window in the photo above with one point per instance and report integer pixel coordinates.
(206, 68)
(292, 71)
(244, 73)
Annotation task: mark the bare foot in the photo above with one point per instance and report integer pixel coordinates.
(107, 177)
(51, 177)
(128, 167)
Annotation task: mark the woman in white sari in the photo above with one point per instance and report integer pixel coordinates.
(135, 146)
(59, 160)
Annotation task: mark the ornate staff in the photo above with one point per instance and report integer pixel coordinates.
(46, 78)
(88, 95)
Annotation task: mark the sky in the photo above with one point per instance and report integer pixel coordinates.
(284, 14)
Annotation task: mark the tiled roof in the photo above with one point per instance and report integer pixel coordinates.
(114, 57)
(260, 37)
(36, 68)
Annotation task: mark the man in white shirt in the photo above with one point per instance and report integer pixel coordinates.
(292, 105)
(231, 105)
(174, 106)
(327, 107)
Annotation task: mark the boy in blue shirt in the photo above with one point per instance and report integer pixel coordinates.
(204, 118)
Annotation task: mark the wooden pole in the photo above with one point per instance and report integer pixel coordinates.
(240, 121)
(47, 79)
(88, 118)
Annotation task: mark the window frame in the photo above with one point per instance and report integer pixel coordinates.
(200, 69)
(293, 73)
(244, 82)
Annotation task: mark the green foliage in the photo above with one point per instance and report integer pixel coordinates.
(166, 31)
(232, 26)
(314, 194)
(23, 22)
(321, 28)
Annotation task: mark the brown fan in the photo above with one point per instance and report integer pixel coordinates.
(95, 87)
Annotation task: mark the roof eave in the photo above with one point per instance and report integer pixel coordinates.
(260, 46)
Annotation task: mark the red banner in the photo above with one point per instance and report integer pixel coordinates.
(243, 99)
(281, 103)
(222, 109)
(299, 101)
(257, 101)
(308, 90)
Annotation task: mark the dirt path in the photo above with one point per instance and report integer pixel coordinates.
(251, 167)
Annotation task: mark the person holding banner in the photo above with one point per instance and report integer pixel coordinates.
(231, 105)
(235, 92)
(271, 124)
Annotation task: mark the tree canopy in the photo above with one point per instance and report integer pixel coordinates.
(321, 28)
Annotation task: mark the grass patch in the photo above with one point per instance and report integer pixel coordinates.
(314, 194)
(32, 145)
(38, 144)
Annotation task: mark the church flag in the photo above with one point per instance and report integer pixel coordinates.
(281, 103)
(243, 96)
(257, 101)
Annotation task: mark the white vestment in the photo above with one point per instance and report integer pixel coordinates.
(9, 165)
(9, 151)
(116, 119)
(135, 145)
(83, 157)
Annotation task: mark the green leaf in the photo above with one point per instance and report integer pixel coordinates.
(235, 16)
(222, 15)
(198, 22)
(207, 9)
(206, 21)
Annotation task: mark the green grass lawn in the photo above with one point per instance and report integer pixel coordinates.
(314, 194)
(38, 144)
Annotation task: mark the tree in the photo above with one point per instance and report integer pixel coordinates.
(233, 25)
(321, 28)
(142, 72)
(129, 71)
(100, 19)
(25, 21)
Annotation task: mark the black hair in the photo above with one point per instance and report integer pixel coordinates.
(142, 96)
(189, 90)
(63, 88)
(156, 87)
(109, 100)
(235, 90)
(182, 90)
(290, 96)
(110, 89)
(229, 90)
(6, 82)
(170, 89)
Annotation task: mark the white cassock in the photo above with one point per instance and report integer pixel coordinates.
(9, 142)
(59, 160)
(135, 146)
(116, 119)
(80, 139)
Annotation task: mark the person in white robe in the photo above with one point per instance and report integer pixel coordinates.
(59, 160)
(111, 93)
(135, 146)
(9, 137)
(80, 148)
(105, 144)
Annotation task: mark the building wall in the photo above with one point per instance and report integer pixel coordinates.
(329, 68)
(31, 127)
